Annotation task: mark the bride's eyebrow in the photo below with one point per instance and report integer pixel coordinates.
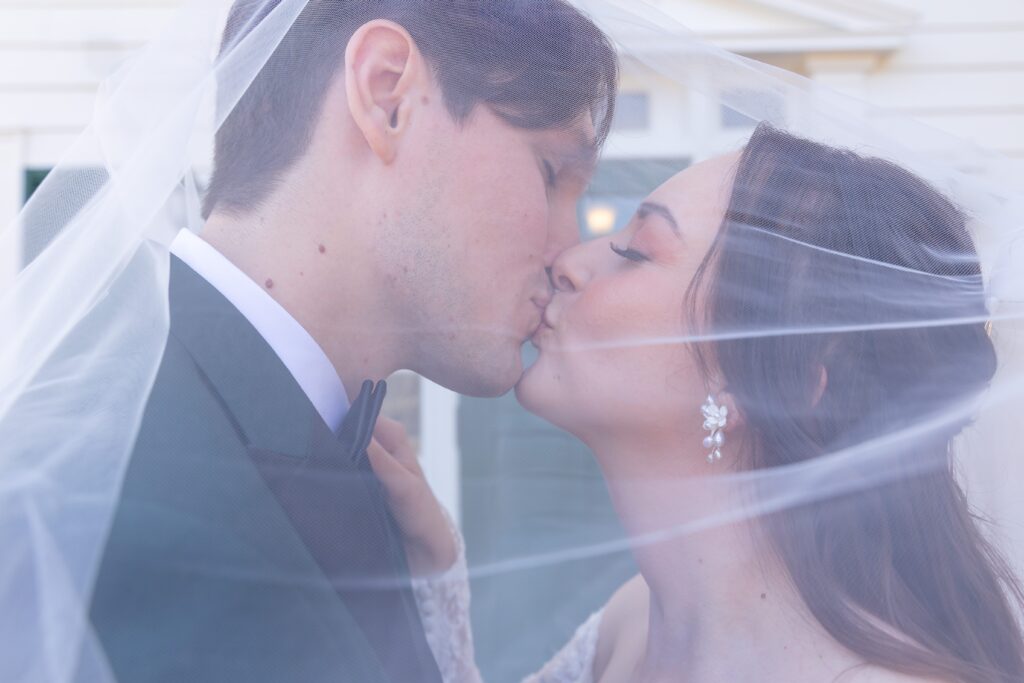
(648, 208)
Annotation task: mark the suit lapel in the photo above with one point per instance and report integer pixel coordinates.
(322, 486)
(337, 507)
(269, 406)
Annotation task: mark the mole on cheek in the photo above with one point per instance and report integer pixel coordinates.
(269, 283)
(322, 249)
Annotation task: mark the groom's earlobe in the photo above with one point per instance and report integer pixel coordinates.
(382, 68)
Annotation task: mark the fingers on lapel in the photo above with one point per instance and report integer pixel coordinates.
(392, 436)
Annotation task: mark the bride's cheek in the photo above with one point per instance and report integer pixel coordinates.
(611, 311)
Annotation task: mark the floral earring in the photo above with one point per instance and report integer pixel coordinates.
(715, 418)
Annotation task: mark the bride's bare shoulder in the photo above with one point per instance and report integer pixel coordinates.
(623, 622)
(630, 596)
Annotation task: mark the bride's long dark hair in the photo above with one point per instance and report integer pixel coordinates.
(899, 573)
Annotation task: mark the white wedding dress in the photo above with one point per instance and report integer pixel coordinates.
(443, 603)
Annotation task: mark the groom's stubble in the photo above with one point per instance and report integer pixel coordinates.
(461, 258)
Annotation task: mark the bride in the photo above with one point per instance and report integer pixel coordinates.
(647, 355)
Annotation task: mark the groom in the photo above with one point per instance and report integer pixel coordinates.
(387, 194)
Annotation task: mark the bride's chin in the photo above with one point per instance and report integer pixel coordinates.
(541, 398)
(534, 391)
(526, 389)
(542, 395)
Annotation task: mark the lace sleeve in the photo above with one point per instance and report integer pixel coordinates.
(443, 602)
(574, 663)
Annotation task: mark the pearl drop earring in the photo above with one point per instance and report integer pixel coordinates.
(715, 419)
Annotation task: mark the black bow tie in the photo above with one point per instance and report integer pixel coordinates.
(357, 428)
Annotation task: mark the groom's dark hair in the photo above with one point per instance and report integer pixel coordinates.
(536, 63)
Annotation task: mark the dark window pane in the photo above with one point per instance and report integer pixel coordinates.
(618, 187)
(76, 187)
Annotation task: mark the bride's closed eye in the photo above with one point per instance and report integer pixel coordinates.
(630, 254)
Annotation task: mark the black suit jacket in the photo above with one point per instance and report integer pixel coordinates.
(250, 543)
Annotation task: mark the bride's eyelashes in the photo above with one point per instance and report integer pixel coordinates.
(630, 254)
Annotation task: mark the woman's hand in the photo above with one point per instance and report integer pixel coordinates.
(429, 545)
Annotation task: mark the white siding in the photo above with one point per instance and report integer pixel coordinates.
(11, 191)
(961, 70)
(54, 54)
(80, 23)
(959, 67)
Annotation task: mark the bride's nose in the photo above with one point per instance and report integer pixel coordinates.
(570, 271)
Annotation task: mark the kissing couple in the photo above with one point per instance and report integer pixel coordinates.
(396, 186)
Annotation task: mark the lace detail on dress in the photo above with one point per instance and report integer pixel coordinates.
(443, 602)
(574, 663)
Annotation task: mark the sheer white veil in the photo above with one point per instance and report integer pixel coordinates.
(78, 355)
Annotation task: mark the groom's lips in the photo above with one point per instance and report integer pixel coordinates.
(536, 329)
(542, 330)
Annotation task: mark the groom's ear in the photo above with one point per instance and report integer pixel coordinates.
(383, 70)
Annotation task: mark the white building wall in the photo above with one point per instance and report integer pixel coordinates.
(956, 66)
(12, 146)
(962, 70)
(959, 67)
(53, 56)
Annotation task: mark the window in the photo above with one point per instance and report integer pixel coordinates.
(34, 177)
(78, 186)
(618, 187)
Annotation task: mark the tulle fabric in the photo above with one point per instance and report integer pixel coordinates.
(78, 356)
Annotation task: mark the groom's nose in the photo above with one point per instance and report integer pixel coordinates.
(566, 274)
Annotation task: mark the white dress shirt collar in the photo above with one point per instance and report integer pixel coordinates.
(299, 352)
